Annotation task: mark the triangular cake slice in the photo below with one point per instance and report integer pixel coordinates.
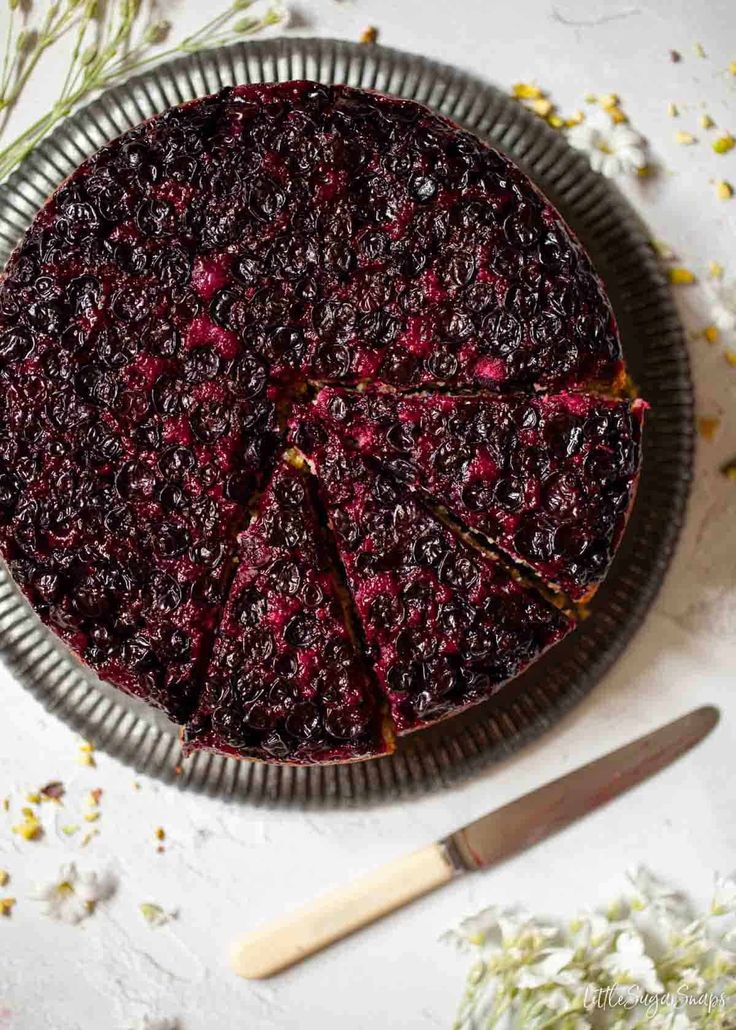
(285, 683)
(549, 479)
(445, 625)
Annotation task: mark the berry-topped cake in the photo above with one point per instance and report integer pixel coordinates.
(300, 265)
(549, 478)
(285, 679)
(445, 625)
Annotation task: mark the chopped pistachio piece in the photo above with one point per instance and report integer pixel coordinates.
(154, 914)
(526, 91)
(30, 828)
(724, 143)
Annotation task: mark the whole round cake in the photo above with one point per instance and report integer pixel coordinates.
(312, 420)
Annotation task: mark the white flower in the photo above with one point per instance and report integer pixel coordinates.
(724, 896)
(520, 930)
(667, 903)
(611, 149)
(722, 297)
(672, 1021)
(593, 932)
(479, 928)
(550, 970)
(629, 963)
(73, 896)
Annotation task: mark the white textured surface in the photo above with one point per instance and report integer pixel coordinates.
(225, 868)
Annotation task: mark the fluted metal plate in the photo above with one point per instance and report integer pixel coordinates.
(655, 350)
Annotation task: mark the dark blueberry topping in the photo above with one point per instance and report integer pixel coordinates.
(201, 277)
(518, 470)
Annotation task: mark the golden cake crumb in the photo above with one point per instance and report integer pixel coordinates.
(679, 276)
(708, 426)
(711, 333)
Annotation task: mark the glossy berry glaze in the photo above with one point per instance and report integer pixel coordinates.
(191, 280)
(285, 681)
(550, 479)
(446, 626)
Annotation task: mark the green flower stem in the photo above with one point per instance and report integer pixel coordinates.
(123, 44)
(54, 27)
(6, 73)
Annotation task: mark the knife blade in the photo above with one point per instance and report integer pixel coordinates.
(486, 841)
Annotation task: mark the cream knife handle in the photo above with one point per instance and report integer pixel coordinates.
(288, 940)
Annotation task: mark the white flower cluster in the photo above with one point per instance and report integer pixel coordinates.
(647, 962)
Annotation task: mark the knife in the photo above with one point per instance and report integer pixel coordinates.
(488, 840)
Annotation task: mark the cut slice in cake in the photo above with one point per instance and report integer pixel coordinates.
(549, 479)
(445, 625)
(285, 682)
(118, 517)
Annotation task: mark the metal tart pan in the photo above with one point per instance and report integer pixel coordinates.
(655, 350)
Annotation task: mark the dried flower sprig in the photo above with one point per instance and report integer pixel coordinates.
(649, 961)
(112, 40)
